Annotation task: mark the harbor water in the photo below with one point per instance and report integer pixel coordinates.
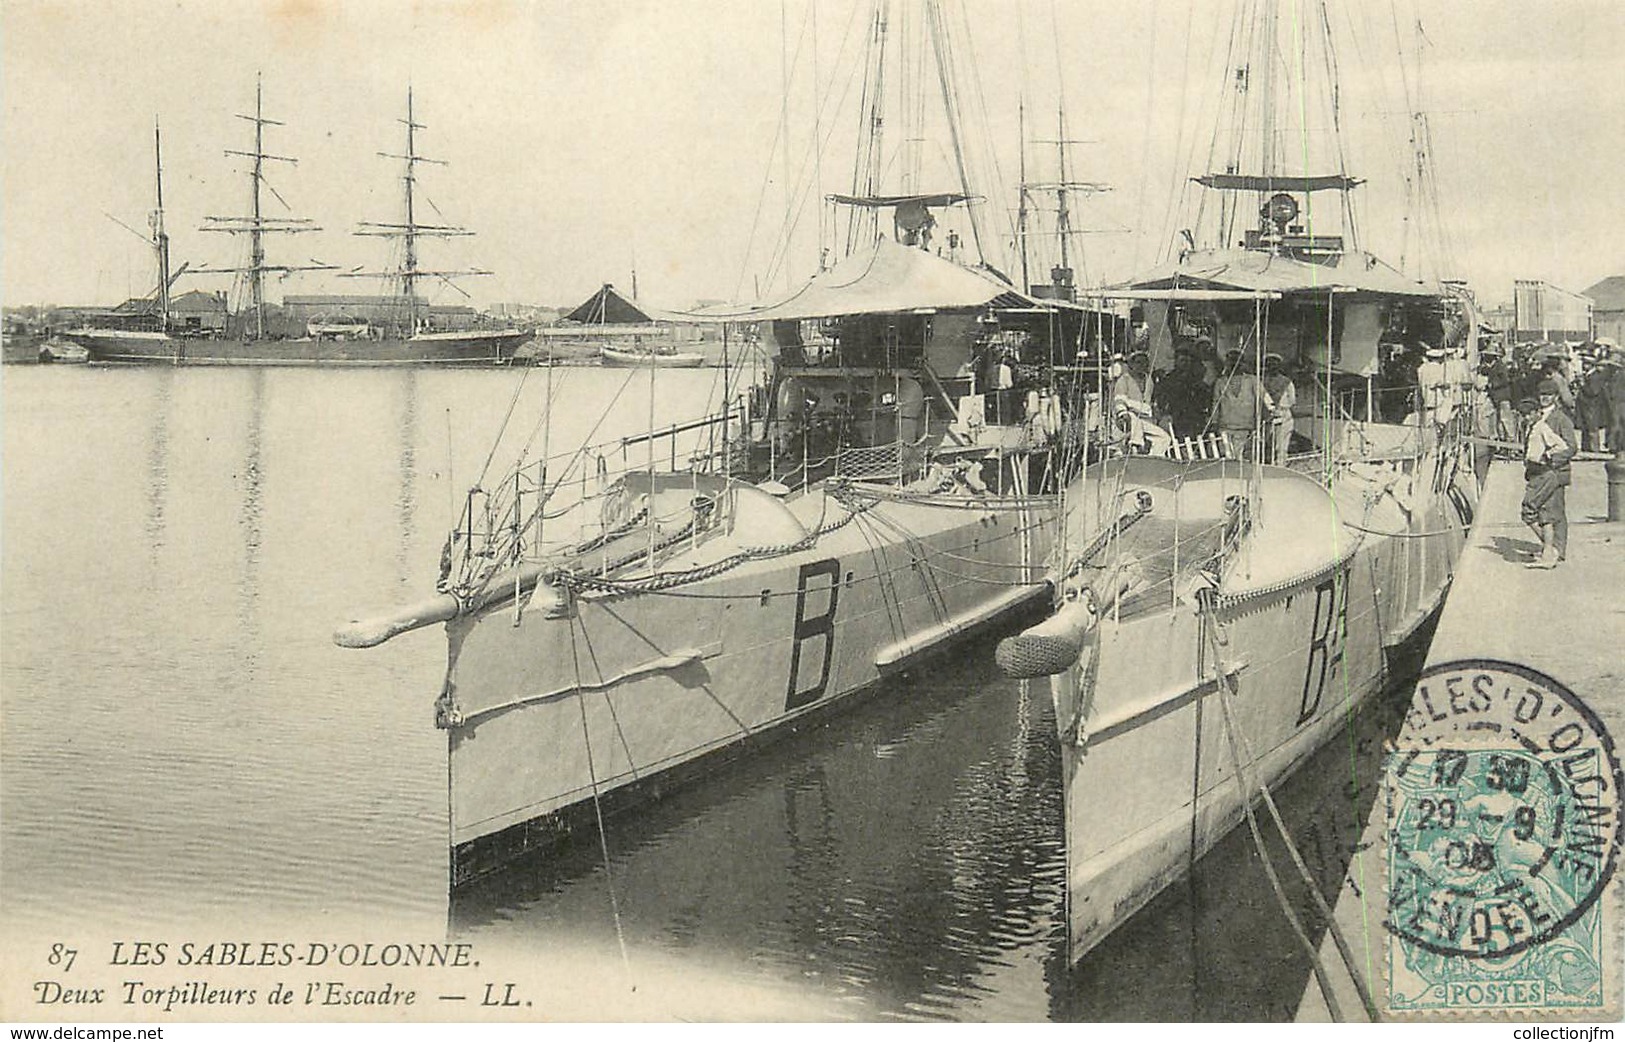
(184, 748)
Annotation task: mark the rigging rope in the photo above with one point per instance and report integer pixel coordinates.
(1264, 858)
(1234, 736)
(598, 812)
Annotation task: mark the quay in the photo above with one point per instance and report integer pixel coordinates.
(1568, 623)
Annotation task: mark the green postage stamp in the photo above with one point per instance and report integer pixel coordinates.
(1503, 800)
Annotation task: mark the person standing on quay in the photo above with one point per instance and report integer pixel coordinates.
(1547, 452)
(1497, 375)
(1594, 411)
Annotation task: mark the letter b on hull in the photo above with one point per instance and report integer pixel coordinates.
(809, 628)
(1326, 633)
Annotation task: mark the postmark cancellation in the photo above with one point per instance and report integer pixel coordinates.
(1503, 833)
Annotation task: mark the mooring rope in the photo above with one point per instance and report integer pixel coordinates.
(598, 812)
(1236, 737)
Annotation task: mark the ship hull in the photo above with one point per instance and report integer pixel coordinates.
(554, 721)
(1149, 774)
(475, 348)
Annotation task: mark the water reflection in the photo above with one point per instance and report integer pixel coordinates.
(908, 855)
(902, 857)
(157, 490)
(251, 520)
(406, 503)
(901, 852)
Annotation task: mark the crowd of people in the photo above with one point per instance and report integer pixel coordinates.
(1202, 394)
(1590, 387)
(1547, 402)
(1577, 402)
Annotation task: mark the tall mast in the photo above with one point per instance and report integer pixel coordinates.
(256, 234)
(409, 271)
(160, 238)
(1021, 194)
(950, 103)
(257, 225)
(866, 176)
(1266, 164)
(411, 230)
(1062, 283)
(1063, 216)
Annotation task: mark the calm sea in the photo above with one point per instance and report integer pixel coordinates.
(183, 747)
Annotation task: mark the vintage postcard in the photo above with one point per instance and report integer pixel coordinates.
(821, 511)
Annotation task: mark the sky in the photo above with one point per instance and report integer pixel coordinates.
(583, 141)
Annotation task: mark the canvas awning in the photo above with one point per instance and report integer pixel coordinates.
(888, 278)
(1191, 294)
(884, 201)
(1278, 182)
(1258, 271)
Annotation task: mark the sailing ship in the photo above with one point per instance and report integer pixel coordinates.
(1216, 620)
(875, 499)
(398, 330)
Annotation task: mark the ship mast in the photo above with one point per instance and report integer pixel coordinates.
(1021, 193)
(866, 168)
(160, 238)
(1063, 284)
(1285, 215)
(410, 273)
(257, 225)
(936, 23)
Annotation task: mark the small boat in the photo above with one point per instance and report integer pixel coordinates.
(59, 351)
(662, 356)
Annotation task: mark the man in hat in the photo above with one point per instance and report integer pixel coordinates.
(1182, 398)
(1131, 400)
(1433, 382)
(1614, 366)
(1497, 376)
(1549, 448)
(1240, 405)
(1594, 412)
(1554, 367)
(1278, 382)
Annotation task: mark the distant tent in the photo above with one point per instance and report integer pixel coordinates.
(608, 308)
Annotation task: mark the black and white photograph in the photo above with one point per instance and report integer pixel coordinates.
(811, 511)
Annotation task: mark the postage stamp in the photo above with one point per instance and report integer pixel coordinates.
(1504, 829)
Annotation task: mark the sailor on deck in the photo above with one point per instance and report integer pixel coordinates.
(1131, 402)
(1433, 381)
(1279, 385)
(1182, 398)
(1240, 404)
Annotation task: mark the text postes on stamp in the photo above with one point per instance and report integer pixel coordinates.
(1504, 827)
